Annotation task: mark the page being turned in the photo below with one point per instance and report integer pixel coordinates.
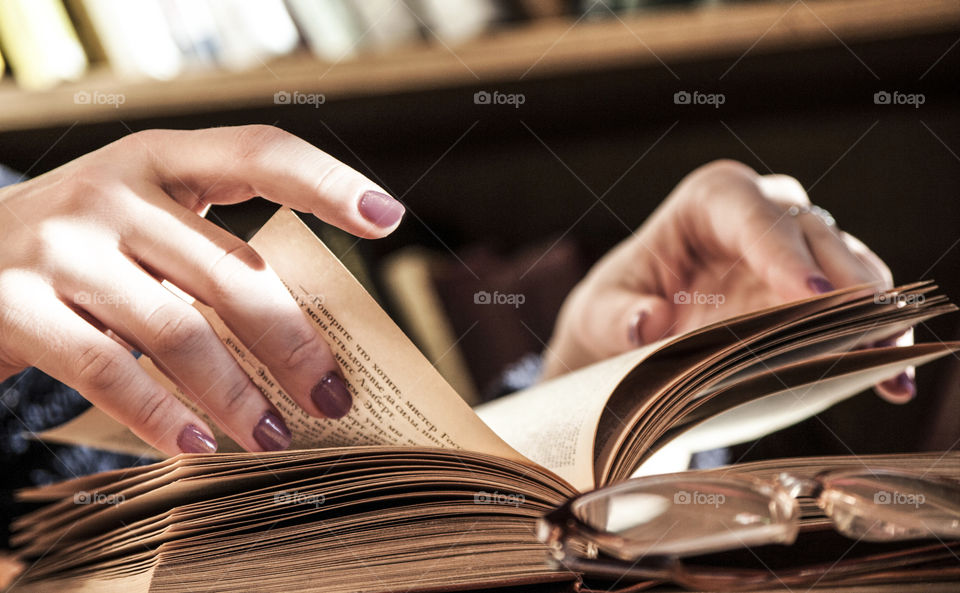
(555, 422)
(399, 398)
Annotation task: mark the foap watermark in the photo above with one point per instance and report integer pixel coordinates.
(682, 297)
(914, 499)
(294, 497)
(100, 298)
(698, 98)
(898, 299)
(314, 299)
(482, 297)
(514, 500)
(897, 98)
(298, 98)
(98, 98)
(700, 498)
(498, 98)
(84, 497)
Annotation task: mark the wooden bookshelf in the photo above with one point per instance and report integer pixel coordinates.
(536, 50)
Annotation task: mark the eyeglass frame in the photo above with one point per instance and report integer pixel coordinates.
(559, 527)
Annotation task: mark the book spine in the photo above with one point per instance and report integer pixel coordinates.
(387, 24)
(453, 22)
(253, 32)
(40, 43)
(135, 37)
(194, 30)
(329, 27)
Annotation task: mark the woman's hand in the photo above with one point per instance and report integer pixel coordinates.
(85, 244)
(737, 241)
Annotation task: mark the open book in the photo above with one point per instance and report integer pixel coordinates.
(415, 490)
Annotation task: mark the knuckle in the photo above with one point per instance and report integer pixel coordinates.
(154, 412)
(236, 395)
(762, 215)
(140, 139)
(90, 185)
(137, 143)
(726, 168)
(335, 175)
(176, 330)
(305, 348)
(236, 259)
(722, 177)
(783, 188)
(99, 369)
(254, 141)
(88, 180)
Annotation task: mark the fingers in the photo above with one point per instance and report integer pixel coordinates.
(868, 259)
(51, 337)
(740, 221)
(182, 344)
(232, 164)
(846, 261)
(842, 267)
(621, 319)
(903, 387)
(225, 273)
(784, 190)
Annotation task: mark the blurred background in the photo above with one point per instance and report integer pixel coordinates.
(527, 137)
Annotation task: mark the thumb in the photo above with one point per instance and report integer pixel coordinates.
(622, 319)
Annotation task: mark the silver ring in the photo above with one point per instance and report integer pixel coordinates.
(817, 211)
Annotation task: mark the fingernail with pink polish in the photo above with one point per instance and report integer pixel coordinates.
(194, 440)
(271, 433)
(902, 386)
(819, 284)
(331, 396)
(381, 209)
(635, 331)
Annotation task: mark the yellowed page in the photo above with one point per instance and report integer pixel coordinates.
(776, 411)
(554, 423)
(93, 428)
(399, 398)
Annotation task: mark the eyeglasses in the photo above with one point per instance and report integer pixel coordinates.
(642, 528)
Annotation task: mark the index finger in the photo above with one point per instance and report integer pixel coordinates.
(233, 164)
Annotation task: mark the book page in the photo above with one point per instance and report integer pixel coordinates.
(776, 400)
(554, 423)
(565, 423)
(399, 398)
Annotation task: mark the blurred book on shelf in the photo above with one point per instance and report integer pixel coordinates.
(46, 42)
(135, 37)
(194, 30)
(456, 21)
(330, 28)
(252, 33)
(39, 41)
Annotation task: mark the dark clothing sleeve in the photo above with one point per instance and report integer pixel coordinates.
(8, 177)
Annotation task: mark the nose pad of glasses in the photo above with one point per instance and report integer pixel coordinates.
(888, 506)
